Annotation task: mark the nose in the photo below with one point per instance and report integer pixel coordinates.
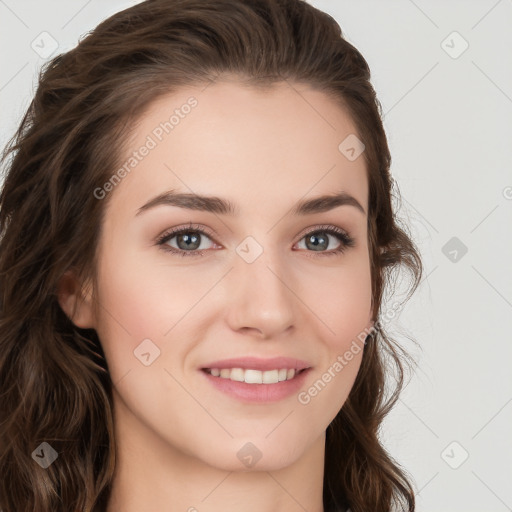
(260, 297)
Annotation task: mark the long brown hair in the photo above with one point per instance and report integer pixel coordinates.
(54, 383)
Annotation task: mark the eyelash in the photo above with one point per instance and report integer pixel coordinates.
(345, 239)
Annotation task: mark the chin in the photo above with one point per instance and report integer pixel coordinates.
(255, 454)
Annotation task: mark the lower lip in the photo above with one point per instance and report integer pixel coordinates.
(258, 392)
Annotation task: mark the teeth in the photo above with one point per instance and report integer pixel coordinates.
(250, 376)
(270, 377)
(253, 376)
(237, 374)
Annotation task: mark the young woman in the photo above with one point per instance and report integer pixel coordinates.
(196, 235)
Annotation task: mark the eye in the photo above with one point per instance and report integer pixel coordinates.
(189, 240)
(319, 239)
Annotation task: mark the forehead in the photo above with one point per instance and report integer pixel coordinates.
(251, 146)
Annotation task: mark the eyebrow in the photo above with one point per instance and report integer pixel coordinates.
(217, 205)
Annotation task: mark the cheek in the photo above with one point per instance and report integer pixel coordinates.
(144, 295)
(130, 303)
(344, 311)
(341, 300)
(143, 298)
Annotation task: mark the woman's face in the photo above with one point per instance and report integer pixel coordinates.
(264, 281)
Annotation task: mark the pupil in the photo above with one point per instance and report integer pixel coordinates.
(323, 244)
(194, 239)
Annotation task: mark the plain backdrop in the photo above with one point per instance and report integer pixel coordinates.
(443, 74)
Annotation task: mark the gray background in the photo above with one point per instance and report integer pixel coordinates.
(448, 115)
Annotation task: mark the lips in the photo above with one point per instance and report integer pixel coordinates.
(253, 379)
(254, 363)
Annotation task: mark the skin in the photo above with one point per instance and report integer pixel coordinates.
(177, 437)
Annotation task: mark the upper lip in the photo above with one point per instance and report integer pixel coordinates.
(254, 363)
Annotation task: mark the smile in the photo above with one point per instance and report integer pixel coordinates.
(251, 376)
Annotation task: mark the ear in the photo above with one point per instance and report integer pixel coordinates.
(76, 300)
